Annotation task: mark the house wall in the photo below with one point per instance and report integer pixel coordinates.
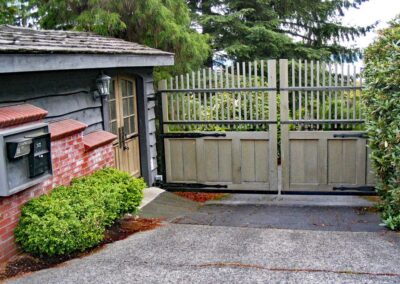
(68, 95)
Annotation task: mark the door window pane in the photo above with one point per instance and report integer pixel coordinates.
(130, 89)
(113, 127)
(113, 110)
(123, 88)
(132, 123)
(112, 90)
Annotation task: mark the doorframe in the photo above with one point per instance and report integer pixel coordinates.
(140, 78)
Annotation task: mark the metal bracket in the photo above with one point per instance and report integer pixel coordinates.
(192, 135)
(356, 188)
(193, 185)
(350, 135)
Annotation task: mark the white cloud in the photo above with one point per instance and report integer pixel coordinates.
(370, 12)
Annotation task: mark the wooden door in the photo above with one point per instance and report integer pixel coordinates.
(124, 124)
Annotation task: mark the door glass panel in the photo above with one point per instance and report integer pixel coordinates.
(113, 110)
(132, 123)
(128, 108)
(112, 107)
(123, 88)
(112, 90)
(130, 89)
(127, 126)
(113, 127)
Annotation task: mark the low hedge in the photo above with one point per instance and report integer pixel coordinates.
(382, 97)
(74, 218)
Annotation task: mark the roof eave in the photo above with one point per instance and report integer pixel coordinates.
(16, 63)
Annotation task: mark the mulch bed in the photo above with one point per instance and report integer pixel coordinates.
(123, 228)
(201, 196)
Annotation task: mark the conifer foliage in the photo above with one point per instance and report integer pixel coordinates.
(251, 29)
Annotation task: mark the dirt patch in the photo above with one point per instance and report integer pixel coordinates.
(123, 228)
(201, 196)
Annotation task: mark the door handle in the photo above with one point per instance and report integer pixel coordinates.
(123, 137)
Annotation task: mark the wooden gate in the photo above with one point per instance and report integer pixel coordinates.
(323, 143)
(219, 129)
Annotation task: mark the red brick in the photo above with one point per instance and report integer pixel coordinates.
(97, 139)
(19, 114)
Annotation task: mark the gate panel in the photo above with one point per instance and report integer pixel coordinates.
(239, 160)
(219, 129)
(323, 145)
(320, 161)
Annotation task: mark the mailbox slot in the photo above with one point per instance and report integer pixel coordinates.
(40, 157)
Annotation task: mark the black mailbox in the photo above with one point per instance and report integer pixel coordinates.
(40, 156)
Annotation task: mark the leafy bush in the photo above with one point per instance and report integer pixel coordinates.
(382, 98)
(74, 218)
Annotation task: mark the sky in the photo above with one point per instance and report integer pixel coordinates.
(369, 12)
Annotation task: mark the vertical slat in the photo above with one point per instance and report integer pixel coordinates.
(342, 92)
(194, 96)
(216, 95)
(182, 98)
(178, 116)
(360, 99)
(336, 93)
(228, 99)
(222, 94)
(245, 93)
(312, 92)
(239, 94)
(262, 93)
(273, 128)
(234, 93)
(189, 96)
(171, 96)
(283, 70)
(318, 93)
(293, 92)
(204, 95)
(210, 104)
(251, 93)
(256, 85)
(348, 83)
(355, 92)
(200, 111)
(306, 93)
(299, 94)
(329, 92)
(323, 92)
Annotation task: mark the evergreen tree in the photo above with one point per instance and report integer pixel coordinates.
(250, 29)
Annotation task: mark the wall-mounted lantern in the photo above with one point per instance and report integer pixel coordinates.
(103, 86)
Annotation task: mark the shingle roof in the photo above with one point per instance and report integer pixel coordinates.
(24, 40)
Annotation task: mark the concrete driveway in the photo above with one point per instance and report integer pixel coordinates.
(244, 239)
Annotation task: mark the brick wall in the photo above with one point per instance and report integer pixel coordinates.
(72, 156)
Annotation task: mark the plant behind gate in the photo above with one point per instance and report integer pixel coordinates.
(382, 97)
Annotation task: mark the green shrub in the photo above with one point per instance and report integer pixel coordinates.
(74, 218)
(382, 74)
